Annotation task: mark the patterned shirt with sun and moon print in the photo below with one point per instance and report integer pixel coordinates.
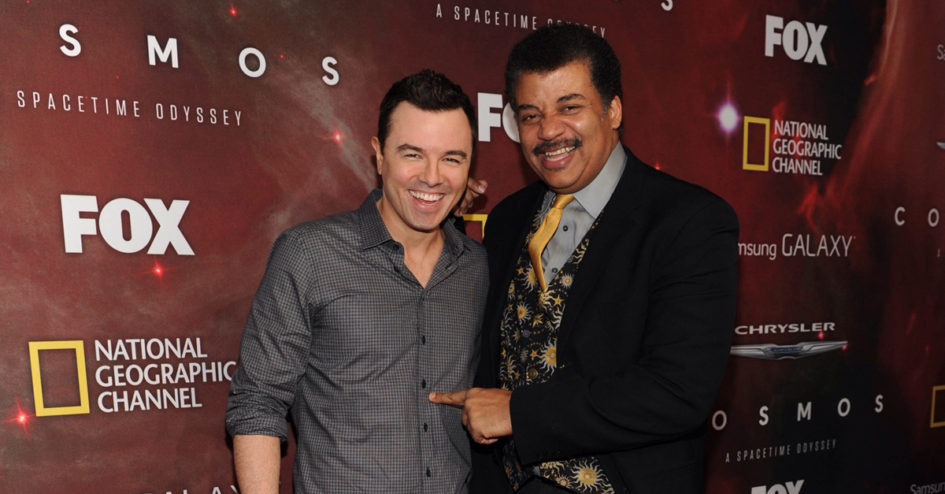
(528, 355)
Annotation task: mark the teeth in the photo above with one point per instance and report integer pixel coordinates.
(560, 151)
(426, 196)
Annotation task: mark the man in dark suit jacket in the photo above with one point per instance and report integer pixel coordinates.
(603, 347)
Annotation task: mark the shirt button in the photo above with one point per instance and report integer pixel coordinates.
(554, 270)
(565, 227)
(532, 373)
(423, 339)
(428, 472)
(424, 427)
(423, 383)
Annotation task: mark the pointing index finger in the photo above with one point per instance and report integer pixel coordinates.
(454, 398)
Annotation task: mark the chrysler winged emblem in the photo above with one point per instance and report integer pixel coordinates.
(770, 351)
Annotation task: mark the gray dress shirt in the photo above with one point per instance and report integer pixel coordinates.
(343, 337)
(579, 215)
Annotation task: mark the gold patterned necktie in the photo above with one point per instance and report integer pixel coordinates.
(544, 233)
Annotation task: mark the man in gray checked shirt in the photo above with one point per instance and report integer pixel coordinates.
(361, 314)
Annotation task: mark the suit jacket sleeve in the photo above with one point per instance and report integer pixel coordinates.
(642, 353)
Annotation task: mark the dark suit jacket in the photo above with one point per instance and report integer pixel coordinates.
(643, 341)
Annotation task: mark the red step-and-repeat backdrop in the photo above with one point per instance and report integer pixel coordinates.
(150, 152)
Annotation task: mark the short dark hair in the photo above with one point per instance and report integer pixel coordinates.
(556, 45)
(427, 90)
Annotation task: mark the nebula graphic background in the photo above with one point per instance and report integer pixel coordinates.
(859, 419)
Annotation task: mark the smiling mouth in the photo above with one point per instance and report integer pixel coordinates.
(559, 153)
(554, 151)
(427, 196)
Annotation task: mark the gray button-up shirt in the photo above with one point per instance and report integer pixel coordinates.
(343, 337)
(579, 215)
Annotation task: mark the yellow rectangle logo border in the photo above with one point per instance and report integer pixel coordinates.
(932, 423)
(747, 121)
(471, 217)
(79, 347)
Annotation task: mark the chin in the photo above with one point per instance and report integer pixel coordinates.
(427, 226)
(557, 181)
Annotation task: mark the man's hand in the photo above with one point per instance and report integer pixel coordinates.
(485, 411)
(474, 189)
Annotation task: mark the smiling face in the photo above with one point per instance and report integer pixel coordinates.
(424, 165)
(566, 132)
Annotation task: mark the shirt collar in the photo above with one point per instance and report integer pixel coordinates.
(594, 196)
(452, 238)
(374, 232)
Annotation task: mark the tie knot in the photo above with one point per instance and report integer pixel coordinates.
(562, 200)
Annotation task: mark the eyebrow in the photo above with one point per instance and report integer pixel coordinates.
(456, 152)
(451, 152)
(570, 97)
(409, 147)
(563, 99)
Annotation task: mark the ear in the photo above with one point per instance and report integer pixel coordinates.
(615, 113)
(378, 154)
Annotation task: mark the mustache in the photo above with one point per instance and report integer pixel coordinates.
(560, 143)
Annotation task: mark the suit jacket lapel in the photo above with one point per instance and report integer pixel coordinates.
(617, 220)
(511, 242)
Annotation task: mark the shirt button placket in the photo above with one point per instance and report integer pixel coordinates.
(426, 408)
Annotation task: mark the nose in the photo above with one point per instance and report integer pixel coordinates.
(431, 172)
(549, 128)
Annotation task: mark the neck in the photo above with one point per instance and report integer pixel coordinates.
(421, 249)
(406, 236)
(419, 241)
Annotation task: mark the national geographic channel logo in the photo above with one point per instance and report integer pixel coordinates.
(786, 146)
(937, 414)
(134, 374)
(77, 346)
